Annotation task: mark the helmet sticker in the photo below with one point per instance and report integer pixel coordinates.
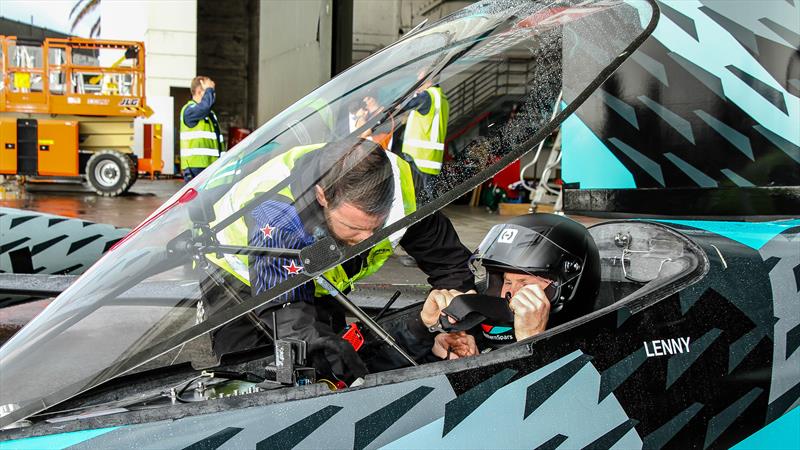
(507, 236)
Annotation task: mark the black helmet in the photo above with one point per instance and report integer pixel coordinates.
(549, 246)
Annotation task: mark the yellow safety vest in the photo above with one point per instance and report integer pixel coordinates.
(424, 136)
(277, 170)
(200, 145)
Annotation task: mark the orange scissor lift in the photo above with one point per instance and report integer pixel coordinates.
(67, 108)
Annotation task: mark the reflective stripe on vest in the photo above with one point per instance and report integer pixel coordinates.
(277, 170)
(199, 151)
(186, 135)
(200, 145)
(324, 110)
(424, 136)
(261, 180)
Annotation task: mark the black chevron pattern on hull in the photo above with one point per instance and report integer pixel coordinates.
(675, 121)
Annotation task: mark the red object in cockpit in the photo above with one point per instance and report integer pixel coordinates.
(353, 335)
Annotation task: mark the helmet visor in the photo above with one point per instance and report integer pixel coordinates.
(522, 250)
(514, 248)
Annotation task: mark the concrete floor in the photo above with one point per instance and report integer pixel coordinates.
(74, 201)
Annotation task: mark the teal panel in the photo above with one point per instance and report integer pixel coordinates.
(751, 234)
(500, 330)
(716, 50)
(54, 441)
(692, 172)
(571, 410)
(651, 167)
(736, 178)
(586, 160)
(783, 433)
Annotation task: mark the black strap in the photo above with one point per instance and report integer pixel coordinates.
(469, 310)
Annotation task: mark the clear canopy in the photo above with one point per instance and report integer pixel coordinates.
(492, 73)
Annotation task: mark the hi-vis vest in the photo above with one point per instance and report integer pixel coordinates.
(424, 136)
(275, 171)
(200, 145)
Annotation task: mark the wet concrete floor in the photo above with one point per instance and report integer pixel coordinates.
(75, 201)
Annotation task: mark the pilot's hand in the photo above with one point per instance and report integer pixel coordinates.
(454, 345)
(531, 310)
(360, 118)
(438, 300)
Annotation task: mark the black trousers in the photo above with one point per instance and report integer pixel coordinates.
(301, 320)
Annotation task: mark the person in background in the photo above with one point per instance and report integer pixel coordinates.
(423, 137)
(369, 109)
(200, 136)
(426, 129)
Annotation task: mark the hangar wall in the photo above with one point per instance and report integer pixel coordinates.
(294, 52)
(10, 27)
(263, 54)
(377, 24)
(227, 51)
(168, 30)
(267, 54)
(296, 41)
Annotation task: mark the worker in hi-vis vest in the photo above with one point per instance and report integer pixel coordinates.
(341, 190)
(426, 128)
(201, 139)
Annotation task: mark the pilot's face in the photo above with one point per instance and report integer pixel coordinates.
(513, 282)
(370, 105)
(350, 225)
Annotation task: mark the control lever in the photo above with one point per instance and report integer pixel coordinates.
(363, 317)
(385, 308)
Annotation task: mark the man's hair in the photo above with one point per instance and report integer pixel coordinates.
(195, 85)
(362, 177)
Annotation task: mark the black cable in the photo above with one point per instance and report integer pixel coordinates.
(178, 395)
(388, 304)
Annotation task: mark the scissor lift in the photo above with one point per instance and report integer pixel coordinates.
(67, 108)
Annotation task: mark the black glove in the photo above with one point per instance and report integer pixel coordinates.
(332, 354)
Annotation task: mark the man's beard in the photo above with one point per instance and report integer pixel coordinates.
(339, 241)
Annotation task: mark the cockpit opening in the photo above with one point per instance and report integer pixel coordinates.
(641, 263)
